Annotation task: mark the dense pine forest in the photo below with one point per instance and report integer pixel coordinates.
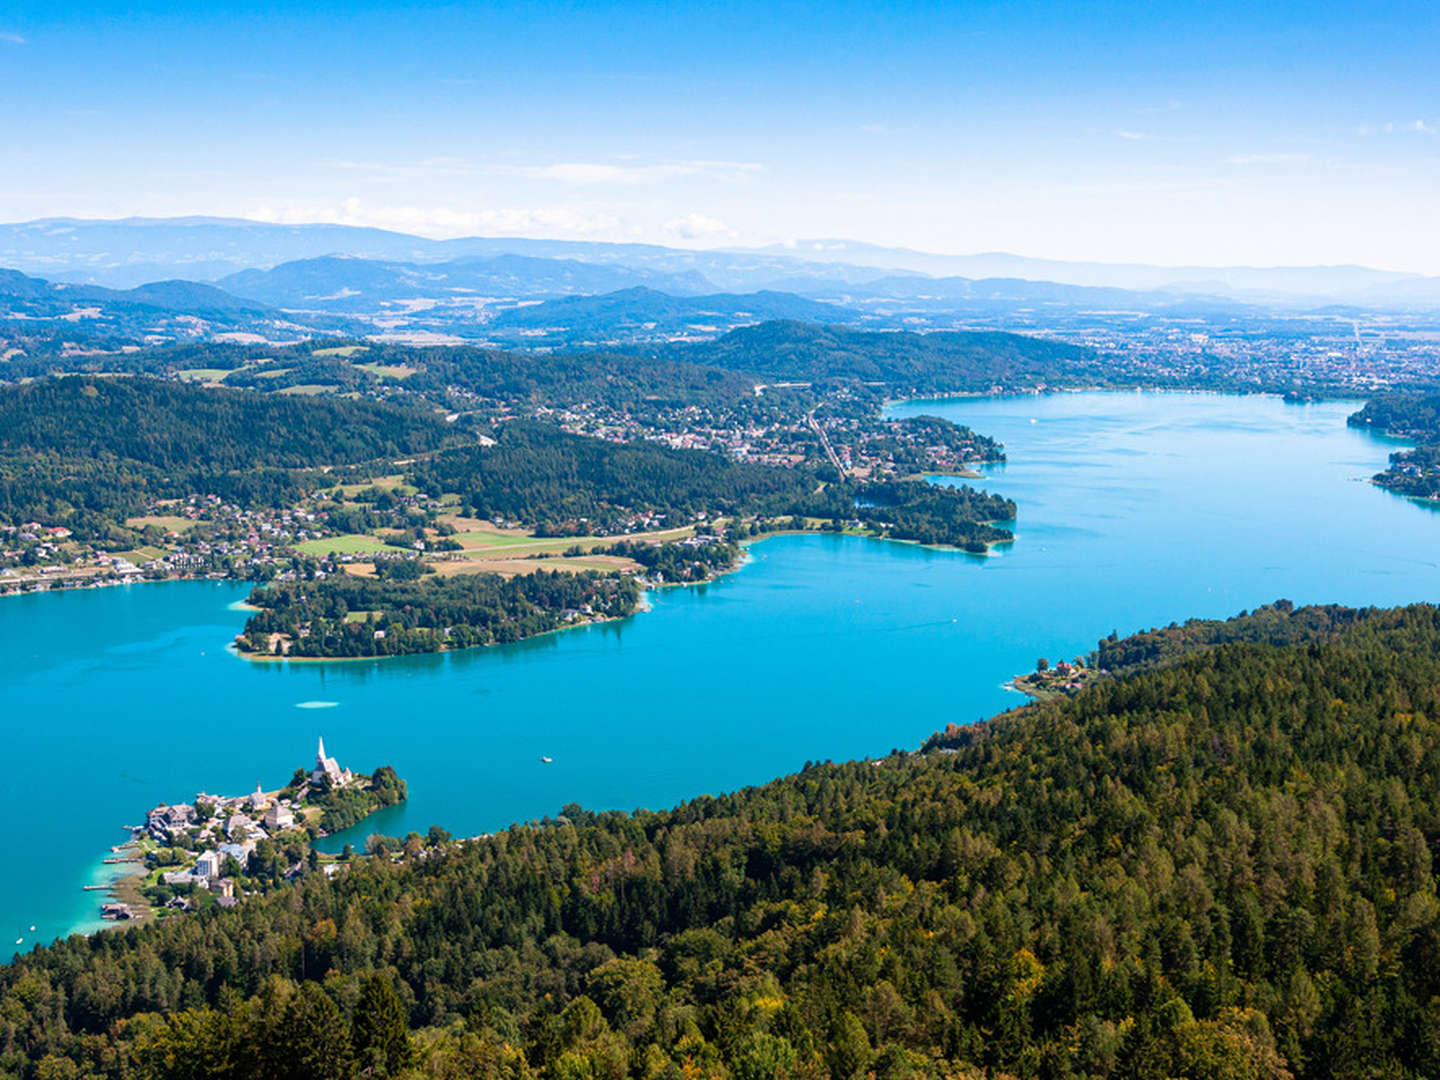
(1218, 867)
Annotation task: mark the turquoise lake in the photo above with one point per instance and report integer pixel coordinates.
(1135, 510)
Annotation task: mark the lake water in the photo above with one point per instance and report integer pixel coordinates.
(1135, 510)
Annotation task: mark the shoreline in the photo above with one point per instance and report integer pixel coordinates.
(980, 395)
(59, 586)
(641, 607)
(263, 658)
(124, 887)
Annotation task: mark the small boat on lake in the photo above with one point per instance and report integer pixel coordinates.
(545, 760)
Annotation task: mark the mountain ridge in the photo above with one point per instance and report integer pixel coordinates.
(126, 251)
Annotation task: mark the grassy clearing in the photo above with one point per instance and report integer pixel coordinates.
(141, 555)
(168, 522)
(483, 538)
(348, 544)
(203, 374)
(491, 539)
(342, 350)
(394, 482)
(307, 389)
(512, 565)
(388, 371)
(585, 562)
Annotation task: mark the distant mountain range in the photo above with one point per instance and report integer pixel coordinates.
(158, 311)
(557, 294)
(642, 314)
(1349, 282)
(129, 252)
(346, 283)
(361, 297)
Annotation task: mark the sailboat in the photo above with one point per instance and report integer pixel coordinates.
(545, 760)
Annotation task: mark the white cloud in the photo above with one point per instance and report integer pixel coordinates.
(9, 38)
(1266, 159)
(1133, 136)
(1408, 127)
(699, 227)
(440, 221)
(597, 172)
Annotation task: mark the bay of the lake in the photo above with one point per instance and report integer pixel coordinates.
(1135, 510)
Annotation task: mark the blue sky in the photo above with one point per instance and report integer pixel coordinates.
(1214, 133)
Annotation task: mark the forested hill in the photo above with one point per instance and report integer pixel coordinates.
(83, 451)
(537, 474)
(643, 313)
(574, 485)
(1220, 868)
(1280, 623)
(952, 361)
(178, 425)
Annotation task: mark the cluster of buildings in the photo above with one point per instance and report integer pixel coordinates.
(213, 829)
(202, 536)
(865, 443)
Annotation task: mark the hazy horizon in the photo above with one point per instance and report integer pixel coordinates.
(1188, 135)
(835, 249)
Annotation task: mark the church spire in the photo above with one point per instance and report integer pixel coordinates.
(320, 754)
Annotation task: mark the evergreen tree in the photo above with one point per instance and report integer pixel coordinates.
(380, 1030)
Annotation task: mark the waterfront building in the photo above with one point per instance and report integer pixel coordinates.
(328, 769)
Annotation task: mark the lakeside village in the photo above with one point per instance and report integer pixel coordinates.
(217, 849)
(202, 536)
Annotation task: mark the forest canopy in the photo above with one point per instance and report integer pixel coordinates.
(1218, 867)
(949, 361)
(86, 452)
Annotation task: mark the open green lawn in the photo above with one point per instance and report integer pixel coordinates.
(488, 539)
(342, 350)
(348, 544)
(394, 482)
(140, 556)
(388, 371)
(169, 522)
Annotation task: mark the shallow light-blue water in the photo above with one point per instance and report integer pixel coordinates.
(1134, 510)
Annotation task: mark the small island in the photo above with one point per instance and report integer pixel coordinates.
(216, 849)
